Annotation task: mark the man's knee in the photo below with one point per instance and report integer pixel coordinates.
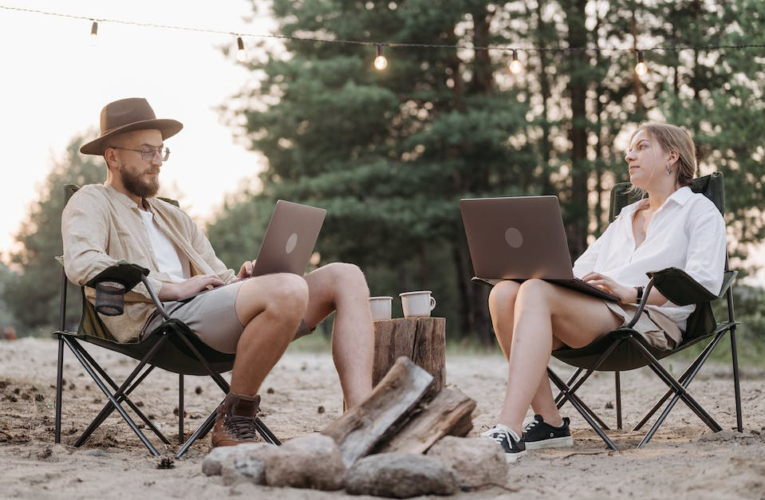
(503, 295)
(288, 293)
(347, 277)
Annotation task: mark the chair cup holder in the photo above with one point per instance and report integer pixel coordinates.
(110, 298)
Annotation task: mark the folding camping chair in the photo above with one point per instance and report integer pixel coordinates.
(624, 349)
(172, 346)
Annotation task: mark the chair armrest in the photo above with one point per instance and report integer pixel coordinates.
(678, 287)
(124, 273)
(113, 283)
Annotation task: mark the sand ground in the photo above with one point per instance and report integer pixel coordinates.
(684, 459)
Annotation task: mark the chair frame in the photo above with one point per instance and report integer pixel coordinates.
(116, 395)
(677, 389)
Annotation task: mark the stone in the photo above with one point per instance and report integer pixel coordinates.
(477, 461)
(400, 475)
(223, 458)
(249, 467)
(311, 461)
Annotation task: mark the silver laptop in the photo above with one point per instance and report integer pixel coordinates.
(521, 238)
(290, 239)
(288, 243)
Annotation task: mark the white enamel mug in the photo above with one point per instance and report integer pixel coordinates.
(381, 308)
(417, 304)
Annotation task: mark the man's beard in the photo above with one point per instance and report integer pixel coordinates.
(134, 184)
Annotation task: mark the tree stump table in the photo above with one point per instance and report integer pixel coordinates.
(423, 340)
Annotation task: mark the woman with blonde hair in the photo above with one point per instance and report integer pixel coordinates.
(670, 227)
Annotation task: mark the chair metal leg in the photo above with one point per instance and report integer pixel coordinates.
(679, 389)
(72, 343)
(260, 426)
(59, 388)
(579, 382)
(685, 380)
(201, 432)
(180, 408)
(580, 408)
(618, 401)
(693, 368)
(570, 381)
(569, 392)
(107, 410)
(736, 380)
(734, 356)
(266, 432)
(590, 371)
(214, 374)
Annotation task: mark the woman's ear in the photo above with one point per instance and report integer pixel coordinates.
(673, 157)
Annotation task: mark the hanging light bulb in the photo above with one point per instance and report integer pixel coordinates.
(94, 33)
(640, 68)
(380, 61)
(241, 55)
(515, 65)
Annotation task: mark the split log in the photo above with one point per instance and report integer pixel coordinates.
(423, 340)
(362, 427)
(449, 413)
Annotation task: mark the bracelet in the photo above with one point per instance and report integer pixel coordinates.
(639, 294)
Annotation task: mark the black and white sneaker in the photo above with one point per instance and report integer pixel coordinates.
(511, 444)
(537, 434)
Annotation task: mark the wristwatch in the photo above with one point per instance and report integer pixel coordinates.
(639, 294)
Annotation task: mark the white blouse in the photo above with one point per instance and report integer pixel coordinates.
(686, 232)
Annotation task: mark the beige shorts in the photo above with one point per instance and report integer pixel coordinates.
(212, 316)
(657, 329)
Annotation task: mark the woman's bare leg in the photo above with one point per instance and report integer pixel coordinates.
(541, 309)
(502, 308)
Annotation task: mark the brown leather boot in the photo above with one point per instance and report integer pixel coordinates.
(235, 421)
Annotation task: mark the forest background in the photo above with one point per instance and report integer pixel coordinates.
(389, 153)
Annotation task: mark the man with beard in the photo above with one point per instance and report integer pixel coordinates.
(254, 317)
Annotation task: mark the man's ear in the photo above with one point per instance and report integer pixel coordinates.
(110, 156)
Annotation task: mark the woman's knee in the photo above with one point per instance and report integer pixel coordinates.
(503, 296)
(535, 290)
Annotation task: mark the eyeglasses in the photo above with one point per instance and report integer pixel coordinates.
(148, 152)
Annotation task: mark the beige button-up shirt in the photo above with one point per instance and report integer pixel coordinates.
(101, 226)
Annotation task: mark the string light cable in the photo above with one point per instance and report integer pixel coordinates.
(515, 65)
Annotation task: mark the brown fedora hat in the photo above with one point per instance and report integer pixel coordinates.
(127, 115)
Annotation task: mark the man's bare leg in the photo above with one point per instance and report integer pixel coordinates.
(541, 309)
(343, 288)
(271, 308)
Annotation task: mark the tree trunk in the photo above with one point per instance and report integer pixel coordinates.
(423, 340)
(544, 82)
(577, 89)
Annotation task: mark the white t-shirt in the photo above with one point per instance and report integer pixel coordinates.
(169, 259)
(687, 232)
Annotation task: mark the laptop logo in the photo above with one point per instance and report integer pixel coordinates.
(291, 243)
(513, 237)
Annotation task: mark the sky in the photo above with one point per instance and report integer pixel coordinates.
(54, 84)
